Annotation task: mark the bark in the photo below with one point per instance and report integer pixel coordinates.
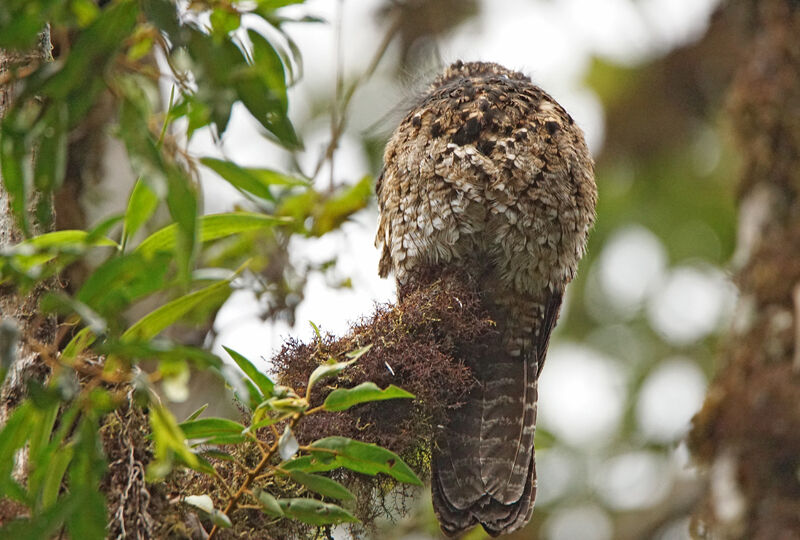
(20, 322)
(748, 431)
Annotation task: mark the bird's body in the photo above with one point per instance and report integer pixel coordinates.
(490, 176)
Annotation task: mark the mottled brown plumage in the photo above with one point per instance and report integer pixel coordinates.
(488, 175)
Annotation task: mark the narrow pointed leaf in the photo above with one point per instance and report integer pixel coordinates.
(63, 240)
(238, 177)
(78, 343)
(141, 205)
(212, 227)
(327, 370)
(197, 413)
(261, 380)
(153, 323)
(170, 444)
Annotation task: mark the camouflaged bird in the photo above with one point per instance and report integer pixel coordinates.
(488, 175)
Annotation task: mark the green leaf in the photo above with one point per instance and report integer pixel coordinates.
(13, 172)
(46, 254)
(224, 20)
(217, 454)
(238, 177)
(253, 180)
(265, 385)
(218, 63)
(326, 370)
(322, 485)
(182, 204)
(214, 430)
(164, 15)
(46, 524)
(332, 367)
(212, 227)
(262, 89)
(274, 178)
(169, 444)
(43, 419)
(64, 240)
(285, 405)
(40, 451)
(90, 520)
(102, 229)
(9, 337)
(275, 4)
(315, 512)
(366, 458)
(54, 474)
(197, 413)
(266, 421)
(251, 93)
(342, 399)
(337, 209)
(83, 339)
(171, 355)
(156, 321)
(123, 279)
(267, 64)
(141, 205)
(151, 162)
(85, 472)
(13, 436)
(51, 159)
(20, 26)
(317, 462)
(358, 353)
(269, 504)
(219, 519)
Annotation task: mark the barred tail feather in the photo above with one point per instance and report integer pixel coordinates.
(484, 468)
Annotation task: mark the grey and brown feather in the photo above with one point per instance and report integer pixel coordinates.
(489, 175)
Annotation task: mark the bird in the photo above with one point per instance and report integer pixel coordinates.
(489, 176)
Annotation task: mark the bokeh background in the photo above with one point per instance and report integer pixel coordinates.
(633, 352)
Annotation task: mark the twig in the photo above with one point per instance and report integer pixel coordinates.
(251, 475)
(339, 117)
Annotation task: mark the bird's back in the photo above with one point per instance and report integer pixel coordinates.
(488, 174)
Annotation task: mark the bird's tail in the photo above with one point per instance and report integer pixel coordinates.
(483, 468)
(483, 464)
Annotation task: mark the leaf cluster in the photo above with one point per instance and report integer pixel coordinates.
(104, 366)
(245, 461)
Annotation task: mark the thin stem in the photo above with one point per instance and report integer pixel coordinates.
(251, 475)
(339, 118)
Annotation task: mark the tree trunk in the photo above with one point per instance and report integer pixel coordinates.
(20, 322)
(748, 431)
